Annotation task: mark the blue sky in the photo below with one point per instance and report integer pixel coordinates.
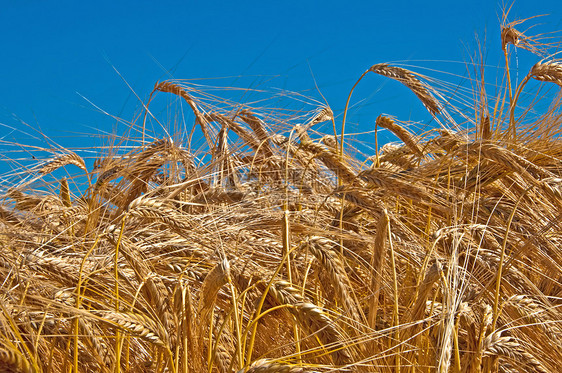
(58, 55)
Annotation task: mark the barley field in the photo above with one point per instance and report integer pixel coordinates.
(258, 243)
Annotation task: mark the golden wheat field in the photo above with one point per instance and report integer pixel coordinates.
(261, 244)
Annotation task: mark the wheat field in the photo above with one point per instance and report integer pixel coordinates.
(257, 243)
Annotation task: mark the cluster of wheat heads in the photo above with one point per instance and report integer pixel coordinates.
(271, 248)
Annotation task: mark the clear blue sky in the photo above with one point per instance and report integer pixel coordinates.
(54, 52)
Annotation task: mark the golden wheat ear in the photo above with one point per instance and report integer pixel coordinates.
(402, 133)
(548, 71)
(539, 44)
(410, 80)
(272, 366)
(70, 158)
(13, 361)
(178, 90)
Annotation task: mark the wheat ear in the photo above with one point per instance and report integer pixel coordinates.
(180, 91)
(402, 133)
(548, 71)
(64, 160)
(138, 325)
(410, 80)
(322, 249)
(14, 361)
(272, 366)
(497, 345)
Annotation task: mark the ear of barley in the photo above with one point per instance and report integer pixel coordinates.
(138, 325)
(410, 80)
(322, 114)
(328, 156)
(509, 160)
(485, 127)
(154, 209)
(402, 133)
(377, 264)
(70, 158)
(176, 89)
(64, 192)
(548, 71)
(509, 35)
(154, 290)
(14, 361)
(257, 125)
(272, 366)
(536, 314)
(498, 345)
(553, 186)
(231, 124)
(61, 268)
(8, 217)
(323, 250)
(313, 319)
(317, 322)
(215, 279)
(395, 184)
(97, 347)
(107, 175)
(431, 276)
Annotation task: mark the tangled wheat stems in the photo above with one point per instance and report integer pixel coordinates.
(272, 247)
